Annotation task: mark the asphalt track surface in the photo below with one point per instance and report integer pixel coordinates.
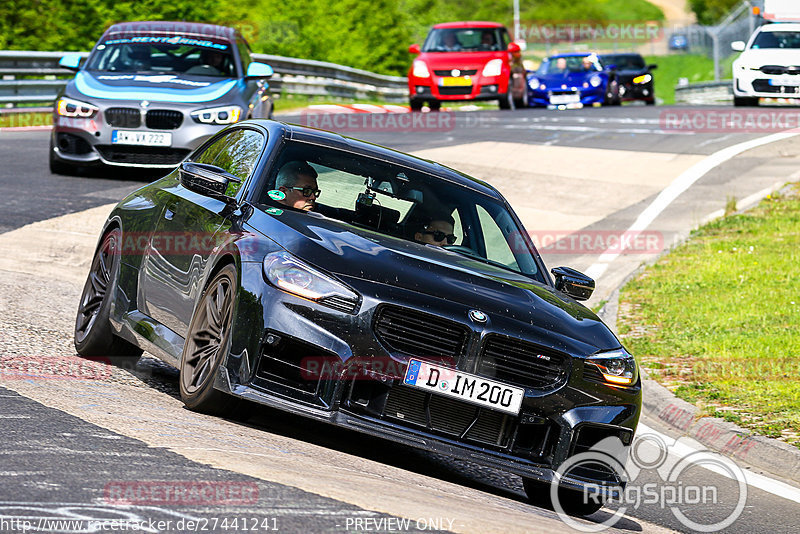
(38, 437)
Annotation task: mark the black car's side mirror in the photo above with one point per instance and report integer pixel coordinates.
(206, 179)
(574, 283)
(652, 67)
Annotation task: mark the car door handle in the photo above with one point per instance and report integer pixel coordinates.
(169, 214)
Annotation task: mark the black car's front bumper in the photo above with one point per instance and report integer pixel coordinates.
(270, 359)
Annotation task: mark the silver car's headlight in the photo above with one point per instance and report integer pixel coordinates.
(220, 115)
(68, 107)
(294, 276)
(618, 367)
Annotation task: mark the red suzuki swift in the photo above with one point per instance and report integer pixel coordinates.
(463, 61)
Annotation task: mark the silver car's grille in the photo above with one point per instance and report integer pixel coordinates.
(164, 119)
(123, 117)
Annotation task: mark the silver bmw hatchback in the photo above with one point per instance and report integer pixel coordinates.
(151, 92)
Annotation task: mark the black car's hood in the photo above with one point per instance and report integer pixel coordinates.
(354, 253)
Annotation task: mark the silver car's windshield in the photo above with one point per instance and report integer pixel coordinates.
(164, 55)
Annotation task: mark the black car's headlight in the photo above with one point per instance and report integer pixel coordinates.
(294, 276)
(220, 115)
(617, 367)
(68, 107)
(644, 78)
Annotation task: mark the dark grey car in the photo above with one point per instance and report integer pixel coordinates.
(151, 92)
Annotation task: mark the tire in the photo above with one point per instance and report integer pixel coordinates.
(93, 334)
(650, 102)
(571, 501)
(59, 167)
(506, 101)
(415, 105)
(522, 102)
(435, 105)
(207, 344)
(745, 101)
(612, 98)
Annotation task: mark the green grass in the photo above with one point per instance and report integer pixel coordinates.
(694, 67)
(716, 320)
(598, 10)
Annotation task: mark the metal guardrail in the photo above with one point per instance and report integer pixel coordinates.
(30, 77)
(705, 93)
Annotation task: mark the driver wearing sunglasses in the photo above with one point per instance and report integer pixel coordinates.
(298, 181)
(437, 231)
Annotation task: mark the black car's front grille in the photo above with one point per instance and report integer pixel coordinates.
(780, 69)
(763, 86)
(458, 90)
(419, 334)
(443, 415)
(524, 364)
(123, 117)
(449, 72)
(164, 119)
(133, 155)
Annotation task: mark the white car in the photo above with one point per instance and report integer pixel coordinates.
(769, 66)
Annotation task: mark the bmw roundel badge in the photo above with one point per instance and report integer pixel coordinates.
(478, 316)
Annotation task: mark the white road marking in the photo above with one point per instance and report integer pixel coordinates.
(684, 447)
(683, 182)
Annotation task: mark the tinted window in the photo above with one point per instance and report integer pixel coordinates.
(625, 62)
(567, 64)
(237, 153)
(244, 53)
(464, 39)
(163, 55)
(777, 40)
(369, 196)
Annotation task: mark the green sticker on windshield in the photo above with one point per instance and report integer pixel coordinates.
(276, 194)
(274, 211)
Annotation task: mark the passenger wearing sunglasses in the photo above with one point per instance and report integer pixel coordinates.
(436, 231)
(298, 181)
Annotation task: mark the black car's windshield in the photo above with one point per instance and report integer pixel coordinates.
(404, 203)
(625, 61)
(568, 64)
(777, 39)
(465, 40)
(163, 55)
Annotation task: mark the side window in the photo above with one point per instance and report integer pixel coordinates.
(506, 38)
(244, 54)
(236, 153)
(497, 247)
